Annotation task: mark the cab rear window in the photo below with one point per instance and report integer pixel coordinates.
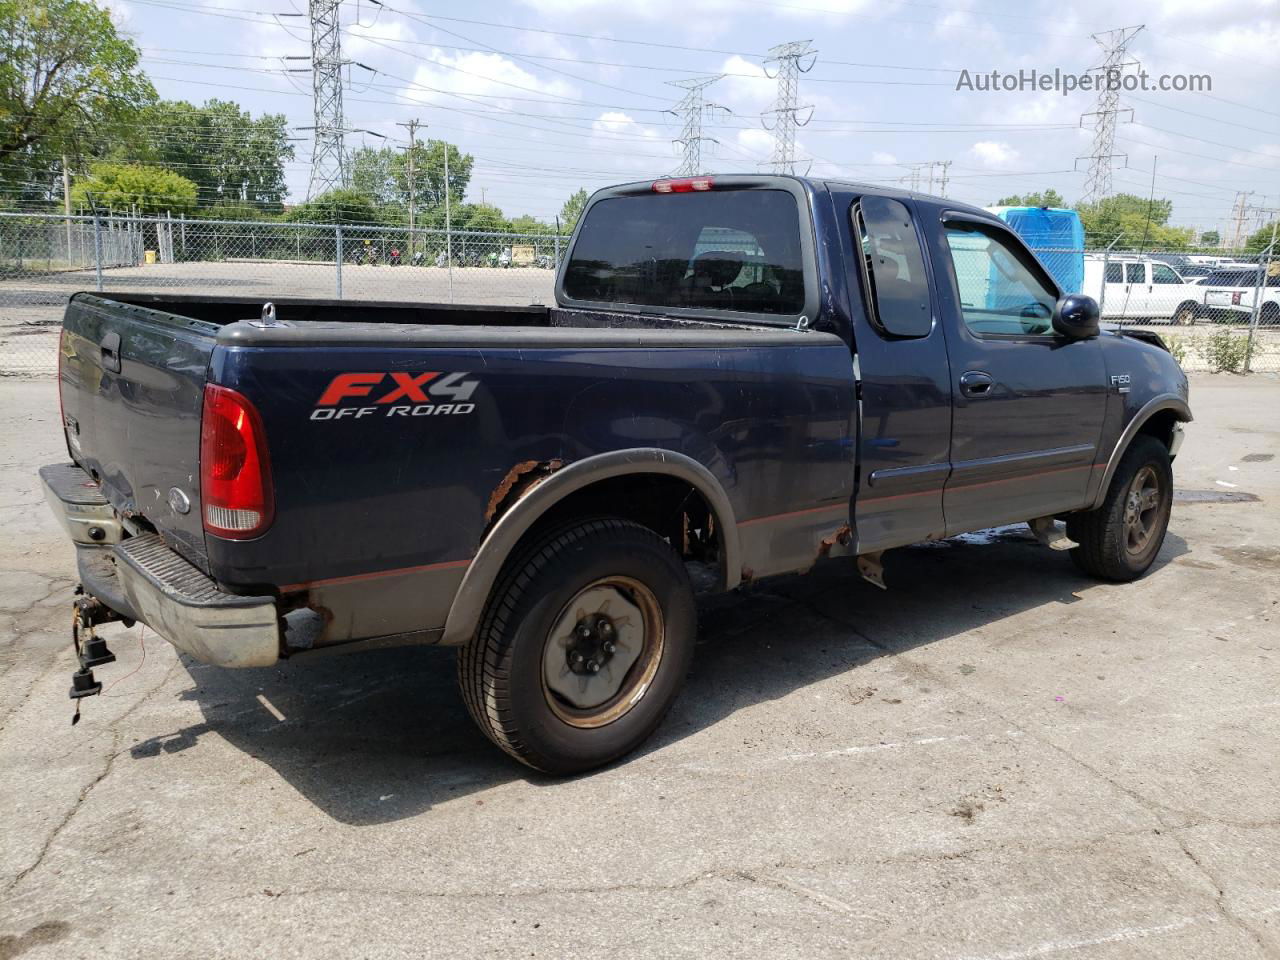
(731, 250)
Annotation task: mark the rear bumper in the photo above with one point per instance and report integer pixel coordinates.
(142, 579)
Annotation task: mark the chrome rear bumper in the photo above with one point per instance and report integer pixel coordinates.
(142, 579)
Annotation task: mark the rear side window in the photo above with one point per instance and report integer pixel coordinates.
(1114, 273)
(735, 250)
(1135, 273)
(893, 267)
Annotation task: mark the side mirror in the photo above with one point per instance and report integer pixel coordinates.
(1075, 317)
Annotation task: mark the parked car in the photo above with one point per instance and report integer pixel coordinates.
(1139, 288)
(848, 369)
(1230, 295)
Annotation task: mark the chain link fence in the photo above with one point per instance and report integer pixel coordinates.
(1215, 312)
(46, 258)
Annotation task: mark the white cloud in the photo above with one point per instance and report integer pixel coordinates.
(482, 75)
(377, 39)
(880, 157)
(994, 155)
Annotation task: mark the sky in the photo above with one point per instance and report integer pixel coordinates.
(553, 95)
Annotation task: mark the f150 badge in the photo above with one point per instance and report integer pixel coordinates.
(396, 394)
(1121, 382)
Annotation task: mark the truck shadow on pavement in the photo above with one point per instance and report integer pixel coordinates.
(383, 735)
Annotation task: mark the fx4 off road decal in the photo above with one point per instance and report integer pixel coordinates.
(357, 395)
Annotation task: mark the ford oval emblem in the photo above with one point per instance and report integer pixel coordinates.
(179, 502)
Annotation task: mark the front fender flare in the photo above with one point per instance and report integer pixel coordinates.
(1166, 401)
(473, 593)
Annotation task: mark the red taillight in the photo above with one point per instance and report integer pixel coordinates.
(683, 185)
(235, 472)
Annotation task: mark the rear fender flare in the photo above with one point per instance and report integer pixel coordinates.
(473, 593)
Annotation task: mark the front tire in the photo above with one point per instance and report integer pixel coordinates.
(1120, 540)
(583, 646)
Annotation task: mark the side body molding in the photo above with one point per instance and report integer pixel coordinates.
(1166, 401)
(473, 592)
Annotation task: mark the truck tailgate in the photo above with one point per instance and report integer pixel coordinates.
(132, 385)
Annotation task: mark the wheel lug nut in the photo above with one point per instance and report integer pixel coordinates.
(584, 632)
(593, 666)
(608, 646)
(578, 658)
(606, 627)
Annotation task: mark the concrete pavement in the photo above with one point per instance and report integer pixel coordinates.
(996, 758)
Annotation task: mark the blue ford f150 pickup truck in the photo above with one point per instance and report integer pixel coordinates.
(741, 375)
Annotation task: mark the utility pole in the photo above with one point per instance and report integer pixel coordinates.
(912, 179)
(448, 225)
(1114, 44)
(787, 58)
(691, 107)
(66, 201)
(412, 127)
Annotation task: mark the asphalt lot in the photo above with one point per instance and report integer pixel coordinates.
(997, 758)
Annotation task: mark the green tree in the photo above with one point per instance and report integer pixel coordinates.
(344, 205)
(68, 85)
(428, 174)
(122, 187)
(1043, 198)
(1260, 240)
(572, 210)
(528, 224)
(1210, 238)
(482, 216)
(373, 172)
(230, 156)
(1132, 218)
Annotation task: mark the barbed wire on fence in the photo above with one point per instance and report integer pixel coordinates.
(1216, 312)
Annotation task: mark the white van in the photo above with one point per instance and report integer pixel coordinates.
(1139, 288)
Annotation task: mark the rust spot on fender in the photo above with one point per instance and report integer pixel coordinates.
(748, 574)
(841, 535)
(519, 479)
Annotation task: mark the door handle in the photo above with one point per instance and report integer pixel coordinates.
(110, 347)
(976, 384)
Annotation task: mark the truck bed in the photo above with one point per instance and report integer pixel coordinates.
(371, 495)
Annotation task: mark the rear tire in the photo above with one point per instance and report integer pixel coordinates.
(583, 646)
(1186, 314)
(1120, 540)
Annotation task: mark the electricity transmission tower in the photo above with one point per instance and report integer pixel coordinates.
(692, 106)
(328, 154)
(1239, 211)
(1114, 44)
(787, 58)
